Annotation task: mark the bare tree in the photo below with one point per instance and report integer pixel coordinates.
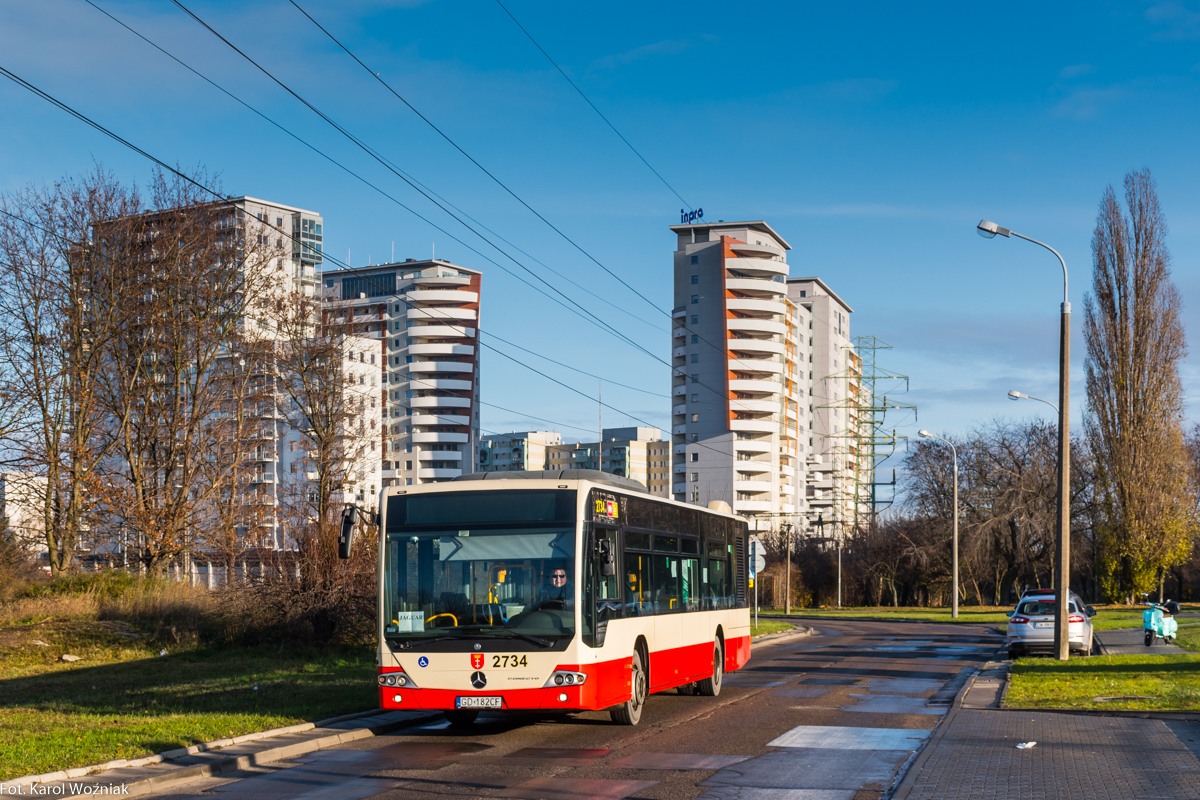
(331, 400)
(206, 285)
(65, 290)
(1135, 343)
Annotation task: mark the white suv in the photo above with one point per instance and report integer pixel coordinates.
(1031, 624)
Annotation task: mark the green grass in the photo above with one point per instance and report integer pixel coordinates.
(123, 700)
(769, 626)
(970, 614)
(1171, 682)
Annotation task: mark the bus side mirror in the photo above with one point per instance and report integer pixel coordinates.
(608, 559)
(346, 538)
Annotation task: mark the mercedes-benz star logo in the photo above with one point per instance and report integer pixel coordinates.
(478, 680)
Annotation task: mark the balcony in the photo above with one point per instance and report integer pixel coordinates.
(752, 466)
(680, 409)
(445, 384)
(749, 385)
(751, 325)
(432, 437)
(440, 402)
(679, 448)
(752, 486)
(439, 366)
(755, 365)
(442, 280)
(678, 429)
(756, 306)
(679, 332)
(679, 390)
(748, 249)
(756, 286)
(440, 313)
(751, 446)
(763, 406)
(441, 349)
(754, 425)
(438, 474)
(756, 346)
(679, 311)
(440, 419)
(441, 296)
(751, 506)
(440, 455)
(679, 352)
(679, 469)
(436, 331)
(679, 488)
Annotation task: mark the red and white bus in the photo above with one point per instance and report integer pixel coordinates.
(556, 591)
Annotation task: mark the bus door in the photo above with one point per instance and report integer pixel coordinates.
(601, 588)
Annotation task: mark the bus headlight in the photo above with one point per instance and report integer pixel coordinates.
(564, 676)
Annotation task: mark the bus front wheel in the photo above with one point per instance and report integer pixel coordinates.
(711, 687)
(629, 712)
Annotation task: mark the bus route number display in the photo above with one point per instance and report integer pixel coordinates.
(606, 507)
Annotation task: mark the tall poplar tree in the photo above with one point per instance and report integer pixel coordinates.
(1135, 342)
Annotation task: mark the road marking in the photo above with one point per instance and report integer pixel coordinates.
(832, 737)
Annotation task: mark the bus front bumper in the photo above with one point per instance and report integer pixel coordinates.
(559, 698)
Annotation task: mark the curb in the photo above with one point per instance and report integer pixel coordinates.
(772, 638)
(231, 763)
(831, 618)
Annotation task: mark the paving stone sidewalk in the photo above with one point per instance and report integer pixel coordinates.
(974, 756)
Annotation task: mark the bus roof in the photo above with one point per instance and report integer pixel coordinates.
(593, 475)
(554, 478)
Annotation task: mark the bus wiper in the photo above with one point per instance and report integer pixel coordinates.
(408, 643)
(539, 641)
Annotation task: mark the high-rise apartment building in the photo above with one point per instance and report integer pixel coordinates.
(833, 459)
(638, 453)
(422, 316)
(740, 384)
(504, 452)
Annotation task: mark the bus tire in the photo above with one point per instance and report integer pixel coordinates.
(711, 687)
(630, 712)
(461, 719)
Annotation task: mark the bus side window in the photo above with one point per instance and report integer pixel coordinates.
(718, 590)
(639, 598)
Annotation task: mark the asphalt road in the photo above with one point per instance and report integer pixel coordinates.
(838, 714)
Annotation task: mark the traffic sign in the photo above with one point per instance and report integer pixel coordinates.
(758, 561)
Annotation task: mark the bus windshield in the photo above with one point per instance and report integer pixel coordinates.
(480, 563)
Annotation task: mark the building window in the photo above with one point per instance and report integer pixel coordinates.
(803, 293)
(695, 378)
(695, 417)
(408, 465)
(695, 299)
(695, 456)
(695, 437)
(695, 357)
(695, 339)
(695, 278)
(695, 398)
(279, 222)
(695, 318)
(695, 259)
(695, 477)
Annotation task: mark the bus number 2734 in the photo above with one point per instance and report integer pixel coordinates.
(509, 661)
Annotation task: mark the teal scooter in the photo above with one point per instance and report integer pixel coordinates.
(1159, 621)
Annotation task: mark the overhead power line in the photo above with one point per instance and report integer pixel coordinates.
(219, 196)
(399, 173)
(587, 100)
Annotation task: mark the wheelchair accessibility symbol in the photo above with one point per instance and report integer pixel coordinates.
(422, 662)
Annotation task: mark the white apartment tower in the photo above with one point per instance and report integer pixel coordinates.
(835, 374)
(740, 385)
(422, 315)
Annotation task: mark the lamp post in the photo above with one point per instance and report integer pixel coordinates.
(787, 571)
(1062, 567)
(1015, 395)
(954, 545)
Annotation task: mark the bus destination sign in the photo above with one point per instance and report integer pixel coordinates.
(606, 507)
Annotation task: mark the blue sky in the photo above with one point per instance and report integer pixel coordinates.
(872, 137)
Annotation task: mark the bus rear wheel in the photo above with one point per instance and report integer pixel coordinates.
(630, 712)
(711, 687)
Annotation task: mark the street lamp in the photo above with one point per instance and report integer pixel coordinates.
(1062, 567)
(954, 546)
(1015, 395)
